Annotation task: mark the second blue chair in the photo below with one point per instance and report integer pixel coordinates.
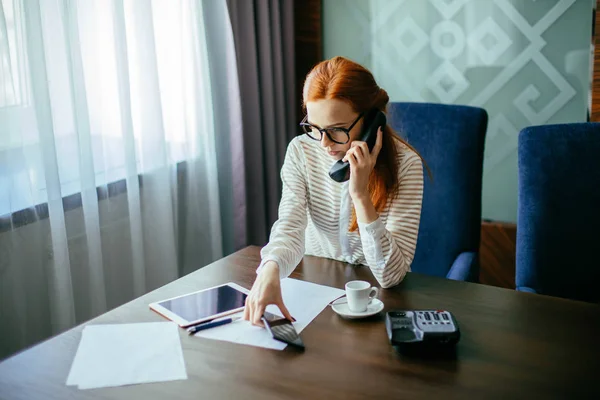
(451, 140)
(558, 222)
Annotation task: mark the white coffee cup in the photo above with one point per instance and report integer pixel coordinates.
(359, 294)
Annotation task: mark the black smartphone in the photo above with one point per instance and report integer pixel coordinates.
(282, 329)
(375, 118)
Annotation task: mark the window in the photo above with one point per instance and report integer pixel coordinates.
(13, 74)
(88, 88)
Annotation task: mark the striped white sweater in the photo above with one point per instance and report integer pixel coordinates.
(315, 212)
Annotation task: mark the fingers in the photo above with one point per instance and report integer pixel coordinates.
(362, 153)
(363, 148)
(358, 153)
(355, 155)
(257, 314)
(348, 153)
(253, 311)
(265, 290)
(352, 153)
(351, 158)
(247, 309)
(285, 311)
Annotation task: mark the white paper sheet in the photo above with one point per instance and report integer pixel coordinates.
(125, 354)
(305, 301)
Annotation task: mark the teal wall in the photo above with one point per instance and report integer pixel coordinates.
(527, 62)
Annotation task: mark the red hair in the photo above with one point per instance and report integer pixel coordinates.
(342, 79)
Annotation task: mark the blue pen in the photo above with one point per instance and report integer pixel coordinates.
(211, 324)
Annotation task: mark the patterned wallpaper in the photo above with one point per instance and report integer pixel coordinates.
(527, 62)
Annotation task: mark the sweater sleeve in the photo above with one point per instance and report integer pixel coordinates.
(286, 241)
(389, 248)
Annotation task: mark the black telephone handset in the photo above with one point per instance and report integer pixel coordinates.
(340, 171)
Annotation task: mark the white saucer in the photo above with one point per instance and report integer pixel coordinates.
(340, 306)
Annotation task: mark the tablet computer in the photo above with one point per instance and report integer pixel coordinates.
(203, 305)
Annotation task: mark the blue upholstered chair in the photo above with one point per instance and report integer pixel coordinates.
(558, 223)
(451, 140)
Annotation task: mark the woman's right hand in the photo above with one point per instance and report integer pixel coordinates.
(266, 290)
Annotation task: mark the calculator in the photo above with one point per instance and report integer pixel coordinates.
(418, 328)
(283, 330)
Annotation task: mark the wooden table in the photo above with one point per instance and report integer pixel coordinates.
(513, 345)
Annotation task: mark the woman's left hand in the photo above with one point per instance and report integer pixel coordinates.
(362, 163)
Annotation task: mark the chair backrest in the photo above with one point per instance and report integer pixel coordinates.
(558, 222)
(451, 140)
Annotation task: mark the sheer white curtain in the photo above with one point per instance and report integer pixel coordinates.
(108, 161)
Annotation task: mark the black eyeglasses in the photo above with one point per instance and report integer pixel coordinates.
(337, 135)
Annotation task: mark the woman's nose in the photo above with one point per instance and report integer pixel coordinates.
(325, 141)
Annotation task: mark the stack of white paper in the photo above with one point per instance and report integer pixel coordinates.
(304, 300)
(125, 354)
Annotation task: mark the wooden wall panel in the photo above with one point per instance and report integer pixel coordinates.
(497, 254)
(596, 81)
(308, 43)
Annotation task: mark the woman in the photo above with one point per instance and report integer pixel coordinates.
(372, 219)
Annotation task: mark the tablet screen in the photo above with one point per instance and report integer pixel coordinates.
(204, 304)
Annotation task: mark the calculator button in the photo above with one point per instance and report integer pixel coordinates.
(445, 316)
(436, 317)
(427, 317)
